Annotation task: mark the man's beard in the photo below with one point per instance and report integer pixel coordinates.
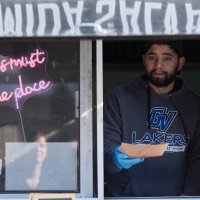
(168, 78)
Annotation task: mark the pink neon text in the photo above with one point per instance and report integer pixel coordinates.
(23, 91)
(32, 60)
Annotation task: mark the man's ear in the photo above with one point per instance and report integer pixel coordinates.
(181, 63)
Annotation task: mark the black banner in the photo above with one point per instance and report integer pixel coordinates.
(98, 18)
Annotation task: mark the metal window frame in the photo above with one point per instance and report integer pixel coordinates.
(86, 119)
(86, 129)
(86, 169)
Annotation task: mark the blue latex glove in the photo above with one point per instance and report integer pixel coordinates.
(122, 161)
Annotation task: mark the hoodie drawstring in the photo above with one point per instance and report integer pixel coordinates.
(148, 107)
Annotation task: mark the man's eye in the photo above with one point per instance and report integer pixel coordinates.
(167, 59)
(151, 58)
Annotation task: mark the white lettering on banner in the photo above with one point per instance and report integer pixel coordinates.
(190, 27)
(29, 19)
(171, 19)
(1, 21)
(134, 12)
(9, 22)
(111, 10)
(56, 16)
(123, 17)
(77, 11)
(147, 15)
(18, 13)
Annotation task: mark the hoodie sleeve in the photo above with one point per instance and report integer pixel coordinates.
(192, 181)
(112, 131)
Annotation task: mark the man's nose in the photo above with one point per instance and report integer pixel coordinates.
(158, 63)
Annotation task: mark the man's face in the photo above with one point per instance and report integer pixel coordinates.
(161, 65)
(41, 149)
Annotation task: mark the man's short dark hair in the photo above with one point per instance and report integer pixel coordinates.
(176, 45)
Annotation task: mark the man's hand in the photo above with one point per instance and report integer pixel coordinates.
(121, 160)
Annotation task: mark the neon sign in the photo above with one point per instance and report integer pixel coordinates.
(21, 92)
(25, 61)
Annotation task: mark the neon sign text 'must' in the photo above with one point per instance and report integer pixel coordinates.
(32, 60)
(21, 92)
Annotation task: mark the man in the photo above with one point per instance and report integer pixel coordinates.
(155, 108)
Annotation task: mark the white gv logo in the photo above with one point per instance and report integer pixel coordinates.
(161, 119)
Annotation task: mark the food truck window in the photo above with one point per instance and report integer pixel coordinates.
(39, 115)
(122, 64)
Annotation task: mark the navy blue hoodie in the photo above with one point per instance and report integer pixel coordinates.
(136, 114)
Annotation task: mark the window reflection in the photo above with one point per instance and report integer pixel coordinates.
(40, 154)
(41, 165)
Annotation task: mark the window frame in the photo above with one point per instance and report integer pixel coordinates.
(84, 107)
(86, 130)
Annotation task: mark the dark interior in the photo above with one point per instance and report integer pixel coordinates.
(123, 61)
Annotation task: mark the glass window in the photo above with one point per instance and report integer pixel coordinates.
(39, 115)
(128, 111)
